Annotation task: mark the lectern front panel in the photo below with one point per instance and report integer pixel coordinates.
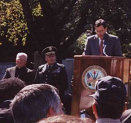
(88, 69)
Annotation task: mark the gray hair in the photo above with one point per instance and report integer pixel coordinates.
(22, 56)
(33, 102)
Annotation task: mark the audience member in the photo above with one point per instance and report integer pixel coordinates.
(35, 102)
(110, 97)
(20, 70)
(8, 89)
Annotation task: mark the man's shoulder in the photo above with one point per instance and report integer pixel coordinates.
(112, 36)
(60, 65)
(11, 68)
(29, 70)
(41, 66)
(57, 65)
(92, 37)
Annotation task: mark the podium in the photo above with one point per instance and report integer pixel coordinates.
(88, 69)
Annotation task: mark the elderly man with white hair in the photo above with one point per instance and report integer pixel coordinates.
(20, 70)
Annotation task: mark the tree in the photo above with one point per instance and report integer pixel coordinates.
(13, 26)
(40, 23)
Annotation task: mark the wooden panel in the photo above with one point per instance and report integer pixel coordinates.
(117, 67)
(114, 66)
(76, 88)
(126, 71)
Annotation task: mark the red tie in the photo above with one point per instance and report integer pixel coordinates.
(101, 48)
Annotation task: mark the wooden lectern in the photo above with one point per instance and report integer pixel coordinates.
(88, 69)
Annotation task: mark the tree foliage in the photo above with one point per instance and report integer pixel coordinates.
(13, 25)
(39, 23)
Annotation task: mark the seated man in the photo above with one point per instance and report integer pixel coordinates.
(110, 97)
(20, 70)
(54, 74)
(35, 102)
(8, 89)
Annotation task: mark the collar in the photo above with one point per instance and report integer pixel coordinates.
(51, 66)
(20, 68)
(106, 35)
(100, 41)
(107, 120)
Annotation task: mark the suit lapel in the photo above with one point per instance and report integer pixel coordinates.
(54, 67)
(97, 44)
(44, 68)
(108, 44)
(12, 72)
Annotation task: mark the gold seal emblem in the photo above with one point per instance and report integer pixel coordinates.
(91, 75)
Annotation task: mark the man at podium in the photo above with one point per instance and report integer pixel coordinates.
(102, 43)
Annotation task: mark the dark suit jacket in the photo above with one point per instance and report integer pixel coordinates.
(24, 74)
(112, 46)
(56, 76)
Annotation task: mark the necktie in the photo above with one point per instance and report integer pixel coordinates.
(101, 48)
(49, 66)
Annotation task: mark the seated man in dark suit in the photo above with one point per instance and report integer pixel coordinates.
(102, 43)
(54, 74)
(20, 70)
